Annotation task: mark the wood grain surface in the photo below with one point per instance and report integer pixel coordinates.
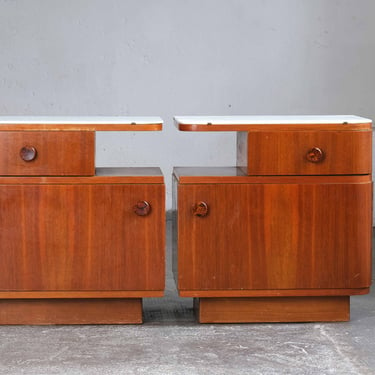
(275, 236)
(102, 176)
(286, 153)
(87, 294)
(81, 238)
(57, 153)
(67, 311)
(272, 292)
(235, 175)
(278, 309)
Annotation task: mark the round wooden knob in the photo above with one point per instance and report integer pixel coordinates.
(200, 209)
(142, 208)
(315, 155)
(28, 153)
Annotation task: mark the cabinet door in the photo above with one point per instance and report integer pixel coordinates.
(274, 236)
(81, 237)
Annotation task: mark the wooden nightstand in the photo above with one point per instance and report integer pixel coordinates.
(285, 236)
(79, 245)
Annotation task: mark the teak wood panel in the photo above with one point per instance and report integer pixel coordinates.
(236, 175)
(57, 153)
(285, 153)
(71, 311)
(276, 309)
(256, 293)
(86, 294)
(81, 237)
(131, 175)
(275, 236)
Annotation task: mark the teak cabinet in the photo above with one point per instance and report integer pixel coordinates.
(79, 244)
(286, 234)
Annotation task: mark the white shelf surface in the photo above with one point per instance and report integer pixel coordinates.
(275, 119)
(81, 120)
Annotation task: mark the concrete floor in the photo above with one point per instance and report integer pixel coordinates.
(170, 342)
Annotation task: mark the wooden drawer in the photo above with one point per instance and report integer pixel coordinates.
(308, 152)
(47, 153)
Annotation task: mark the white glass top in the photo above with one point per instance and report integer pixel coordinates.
(250, 120)
(80, 120)
(80, 123)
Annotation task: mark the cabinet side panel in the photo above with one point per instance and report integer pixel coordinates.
(174, 229)
(242, 151)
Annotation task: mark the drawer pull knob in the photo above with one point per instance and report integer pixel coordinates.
(200, 209)
(28, 153)
(315, 155)
(142, 208)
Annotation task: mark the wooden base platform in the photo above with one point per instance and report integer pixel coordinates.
(71, 311)
(272, 309)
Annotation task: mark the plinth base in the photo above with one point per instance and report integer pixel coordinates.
(272, 309)
(71, 311)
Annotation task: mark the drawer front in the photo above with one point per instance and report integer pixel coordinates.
(47, 153)
(309, 153)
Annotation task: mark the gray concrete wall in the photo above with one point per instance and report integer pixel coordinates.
(167, 57)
